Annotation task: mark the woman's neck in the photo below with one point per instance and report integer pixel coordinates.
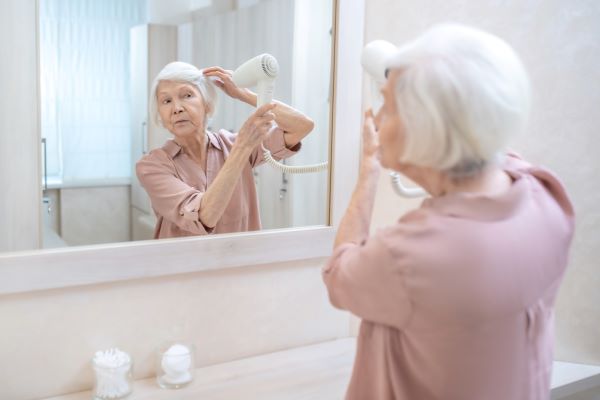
(194, 145)
(491, 181)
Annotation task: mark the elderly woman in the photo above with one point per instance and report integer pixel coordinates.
(457, 296)
(201, 182)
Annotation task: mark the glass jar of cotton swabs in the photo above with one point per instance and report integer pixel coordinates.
(113, 373)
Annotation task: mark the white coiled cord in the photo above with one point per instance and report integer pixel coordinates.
(293, 169)
(403, 191)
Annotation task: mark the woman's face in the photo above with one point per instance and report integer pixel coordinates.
(389, 125)
(181, 107)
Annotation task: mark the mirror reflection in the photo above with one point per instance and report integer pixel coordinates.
(201, 181)
(149, 118)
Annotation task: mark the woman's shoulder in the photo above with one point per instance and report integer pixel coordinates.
(155, 158)
(224, 136)
(555, 189)
(413, 226)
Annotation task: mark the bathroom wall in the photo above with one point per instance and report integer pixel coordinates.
(559, 44)
(47, 347)
(87, 215)
(92, 215)
(20, 202)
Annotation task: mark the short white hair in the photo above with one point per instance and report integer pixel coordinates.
(183, 72)
(462, 95)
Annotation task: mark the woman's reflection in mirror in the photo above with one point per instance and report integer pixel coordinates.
(201, 181)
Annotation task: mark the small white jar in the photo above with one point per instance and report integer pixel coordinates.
(175, 364)
(113, 375)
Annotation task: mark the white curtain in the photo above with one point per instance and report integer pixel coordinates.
(84, 66)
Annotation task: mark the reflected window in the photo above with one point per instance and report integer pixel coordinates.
(85, 100)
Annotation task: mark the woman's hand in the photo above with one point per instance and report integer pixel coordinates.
(354, 226)
(370, 142)
(225, 82)
(256, 128)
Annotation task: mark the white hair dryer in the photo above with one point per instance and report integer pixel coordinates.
(261, 71)
(374, 59)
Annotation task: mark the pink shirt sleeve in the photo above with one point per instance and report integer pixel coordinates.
(366, 280)
(275, 143)
(171, 198)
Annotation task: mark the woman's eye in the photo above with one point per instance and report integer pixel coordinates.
(188, 95)
(166, 101)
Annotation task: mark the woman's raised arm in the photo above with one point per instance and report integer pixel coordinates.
(218, 194)
(294, 123)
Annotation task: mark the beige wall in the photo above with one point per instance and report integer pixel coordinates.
(559, 43)
(48, 338)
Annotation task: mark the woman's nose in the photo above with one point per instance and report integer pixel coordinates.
(177, 108)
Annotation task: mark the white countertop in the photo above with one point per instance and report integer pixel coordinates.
(320, 371)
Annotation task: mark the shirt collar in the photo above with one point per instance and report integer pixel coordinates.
(213, 140)
(172, 148)
(482, 207)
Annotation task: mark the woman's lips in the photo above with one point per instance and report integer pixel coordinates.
(183, 121)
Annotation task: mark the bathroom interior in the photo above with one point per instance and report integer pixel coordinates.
(79, 269)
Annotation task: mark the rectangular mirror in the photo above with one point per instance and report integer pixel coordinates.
(97, 64)
(23, 270)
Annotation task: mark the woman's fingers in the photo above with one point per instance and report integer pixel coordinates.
(213, 69)
(218, 82)
(258, 125)
(262, 110)
(372, 118)
(370, 142)
(266, 118)
(221, 75)
(369, 122)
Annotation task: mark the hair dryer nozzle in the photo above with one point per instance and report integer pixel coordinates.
(260, 71)
(269, 65)
(374, 56)
(256, 69)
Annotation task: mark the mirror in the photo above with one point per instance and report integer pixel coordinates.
(97, 64)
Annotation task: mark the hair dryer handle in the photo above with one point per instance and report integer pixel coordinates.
(265, 90)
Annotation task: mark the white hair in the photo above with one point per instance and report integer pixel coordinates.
(462, 95)
(183, 72)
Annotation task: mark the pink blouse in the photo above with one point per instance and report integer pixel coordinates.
(175, 184)
(457, 297)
